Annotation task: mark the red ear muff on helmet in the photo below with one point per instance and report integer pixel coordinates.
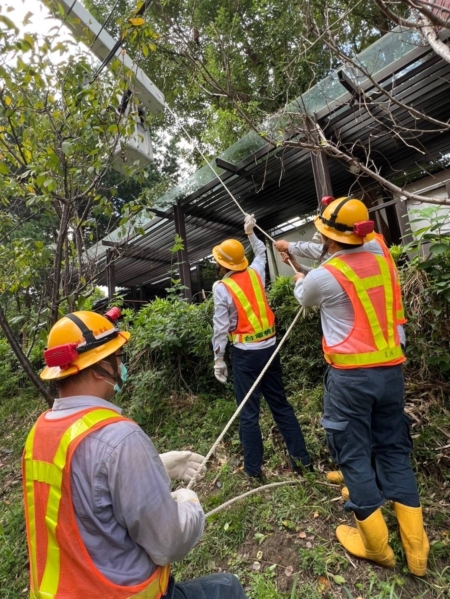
(363, 228)
(61, 355)
(113, 314)
(326, 200)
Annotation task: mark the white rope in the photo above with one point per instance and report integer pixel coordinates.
(242, 404)
(252, 492)
(197, 147)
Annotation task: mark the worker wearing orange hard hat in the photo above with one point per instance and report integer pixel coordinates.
(367, 430)
(243, 317)
(100, 516)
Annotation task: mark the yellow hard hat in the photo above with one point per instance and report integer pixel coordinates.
(79, 340)
(344, 220)
(231, 254)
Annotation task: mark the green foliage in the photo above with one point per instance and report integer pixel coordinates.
(225, 65)
(11, 374)
(426, 290)
(171, 350)
(302, 357)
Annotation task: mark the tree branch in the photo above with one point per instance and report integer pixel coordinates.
(23, 360)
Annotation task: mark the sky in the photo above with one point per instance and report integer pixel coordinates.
(40, 22)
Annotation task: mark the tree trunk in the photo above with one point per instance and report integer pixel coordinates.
(23, 360)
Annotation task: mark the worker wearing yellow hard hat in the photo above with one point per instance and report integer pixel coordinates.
(367, 430)
(242, 316)
(101, 519)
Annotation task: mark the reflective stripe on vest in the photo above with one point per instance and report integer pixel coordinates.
(400, 312)
(52, 475)
(262, 327)
(387, 350)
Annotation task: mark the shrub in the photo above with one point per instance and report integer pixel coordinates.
(11, 374)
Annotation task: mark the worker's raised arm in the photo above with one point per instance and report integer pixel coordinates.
(258, 247)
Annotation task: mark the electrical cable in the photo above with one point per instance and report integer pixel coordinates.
(120, 42)
(104, 24)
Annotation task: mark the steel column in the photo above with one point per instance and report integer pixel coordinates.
(110, 274)
(321, 173)
(182, 255)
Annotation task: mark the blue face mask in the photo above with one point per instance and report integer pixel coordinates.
(123, 376)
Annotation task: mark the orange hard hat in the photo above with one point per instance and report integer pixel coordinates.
(345, 220)
(79, 340)
(231, 255)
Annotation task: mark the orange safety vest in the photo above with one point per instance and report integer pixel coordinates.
(256, 321)
(397, 289)
(373, 341)
(60, 565)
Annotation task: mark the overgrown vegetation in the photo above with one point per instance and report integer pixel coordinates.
(281, 544)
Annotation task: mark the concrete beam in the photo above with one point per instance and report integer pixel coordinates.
(88, 30)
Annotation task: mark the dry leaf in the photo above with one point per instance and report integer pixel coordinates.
(309, 545)
(302, 535)
(288, 571)
(259, 555)
(255, 566)
(323, 584)
(316, 514)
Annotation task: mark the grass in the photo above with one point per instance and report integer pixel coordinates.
(281, 543)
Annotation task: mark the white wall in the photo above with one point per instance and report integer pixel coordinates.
(433, 186)
(303, 233)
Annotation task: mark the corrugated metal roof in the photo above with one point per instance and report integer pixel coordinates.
(277, 184)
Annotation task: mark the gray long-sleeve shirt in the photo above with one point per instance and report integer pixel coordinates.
(225, 312)
(127, 518)
(321, 288)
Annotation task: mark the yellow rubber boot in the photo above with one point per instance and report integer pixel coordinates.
(369, 540)
(414, 538)
(345, 494)
(335, 476)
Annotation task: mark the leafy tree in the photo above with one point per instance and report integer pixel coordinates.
(225, 64)
(59, 131)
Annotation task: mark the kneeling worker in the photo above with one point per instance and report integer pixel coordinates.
(367, 430)
(243, 316)
(101, 520)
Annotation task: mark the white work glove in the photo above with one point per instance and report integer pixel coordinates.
(220, 370)
(182, 465)
(182, 495)
(249, 223)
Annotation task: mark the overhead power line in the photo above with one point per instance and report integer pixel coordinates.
(120, 42)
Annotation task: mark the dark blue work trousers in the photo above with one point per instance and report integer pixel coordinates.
(368, 436)
(215, 586)
(247, 366)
